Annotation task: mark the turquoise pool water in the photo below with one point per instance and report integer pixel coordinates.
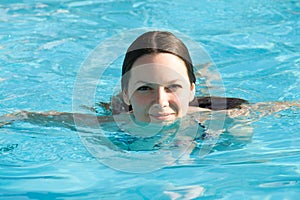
(254, 44)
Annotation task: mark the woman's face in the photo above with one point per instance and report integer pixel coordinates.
(159, 89)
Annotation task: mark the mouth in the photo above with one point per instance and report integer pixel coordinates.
(163, 116)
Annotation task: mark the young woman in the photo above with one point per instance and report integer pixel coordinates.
(158, 87)
(158, 81)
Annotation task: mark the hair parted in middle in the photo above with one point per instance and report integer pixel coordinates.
(154, 42)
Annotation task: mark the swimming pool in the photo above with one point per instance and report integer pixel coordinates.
(255, 46)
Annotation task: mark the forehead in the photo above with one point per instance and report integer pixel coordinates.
(159, 58)
(164, 66)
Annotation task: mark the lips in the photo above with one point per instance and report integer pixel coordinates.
(163, 116)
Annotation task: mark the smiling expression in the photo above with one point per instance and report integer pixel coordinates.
(159, 89)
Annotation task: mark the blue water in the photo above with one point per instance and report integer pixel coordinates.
(254, 44)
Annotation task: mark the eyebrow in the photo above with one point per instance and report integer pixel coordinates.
(168, 83)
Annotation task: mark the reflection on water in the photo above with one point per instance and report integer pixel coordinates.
(255, 47)
(55, 153)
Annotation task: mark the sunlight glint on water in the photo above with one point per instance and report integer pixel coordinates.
(255, 46)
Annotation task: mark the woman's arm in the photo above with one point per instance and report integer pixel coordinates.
(54, 118)
(261, 109)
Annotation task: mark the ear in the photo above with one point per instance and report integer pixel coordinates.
(125, 97)
(192, 92)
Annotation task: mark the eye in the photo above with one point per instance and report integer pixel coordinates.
(173, 87)
(144, 88)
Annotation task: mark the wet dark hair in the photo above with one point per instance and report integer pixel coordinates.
(154, 42)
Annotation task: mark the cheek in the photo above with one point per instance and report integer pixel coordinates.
(183, 101)
(175, 99)
(140, 100)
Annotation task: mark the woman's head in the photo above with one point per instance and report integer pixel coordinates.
(154, 42)
(158, 79)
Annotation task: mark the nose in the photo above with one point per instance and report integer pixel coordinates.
(162, 97)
